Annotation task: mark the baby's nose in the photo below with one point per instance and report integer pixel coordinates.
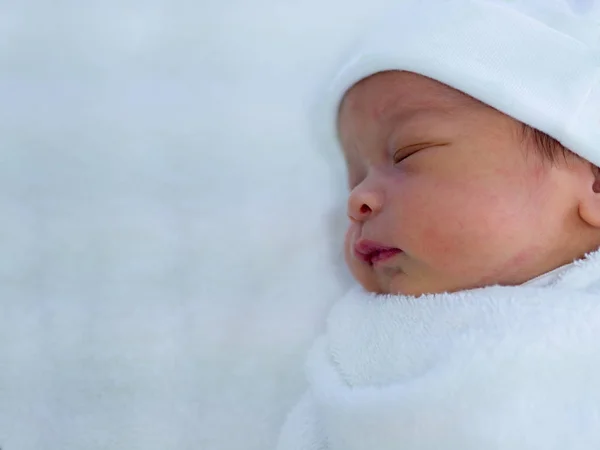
(362, 204)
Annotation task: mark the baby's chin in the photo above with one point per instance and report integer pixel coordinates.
(396, 282)
(390, 279)
(394, 287)
(389, 282)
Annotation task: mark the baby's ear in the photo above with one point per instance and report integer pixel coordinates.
(589, 207)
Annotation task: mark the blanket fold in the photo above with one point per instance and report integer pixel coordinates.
(493, 368)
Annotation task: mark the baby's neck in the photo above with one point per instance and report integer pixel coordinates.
(548, 278)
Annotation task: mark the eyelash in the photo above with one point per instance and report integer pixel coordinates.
(416, 149)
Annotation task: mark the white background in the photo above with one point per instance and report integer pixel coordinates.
(166, 237)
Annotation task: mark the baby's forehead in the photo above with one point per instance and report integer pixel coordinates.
(385, 94)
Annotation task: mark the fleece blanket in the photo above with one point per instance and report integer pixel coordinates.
(165, 237)
(493, 368)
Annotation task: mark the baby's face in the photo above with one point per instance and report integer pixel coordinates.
(444, 193)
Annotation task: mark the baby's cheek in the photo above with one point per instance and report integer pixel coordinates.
(484, 235)
(453, 228)
(442, 243)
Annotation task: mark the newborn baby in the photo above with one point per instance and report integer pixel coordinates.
(447, 193)
(471, 135)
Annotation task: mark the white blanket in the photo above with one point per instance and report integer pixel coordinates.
(164, 234)
(494, 368)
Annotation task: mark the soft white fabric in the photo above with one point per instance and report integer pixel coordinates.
(494, 368)
(535, 60)
(165, 243)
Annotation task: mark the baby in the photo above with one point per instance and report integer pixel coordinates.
(471, 135)
(447, 193)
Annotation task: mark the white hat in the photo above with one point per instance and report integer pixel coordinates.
(535, 60)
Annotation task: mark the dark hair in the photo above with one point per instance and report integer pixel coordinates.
(548, 148)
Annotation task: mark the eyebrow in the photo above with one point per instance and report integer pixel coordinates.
(419, 112)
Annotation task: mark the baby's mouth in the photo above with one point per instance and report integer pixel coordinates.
(373, 252)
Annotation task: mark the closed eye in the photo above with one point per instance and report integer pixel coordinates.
(406, 152)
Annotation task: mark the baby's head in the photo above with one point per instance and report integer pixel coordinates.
(447, 193)
(449, 188)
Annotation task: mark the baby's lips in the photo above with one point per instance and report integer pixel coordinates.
(384, 255)
(364, 257)
(367, 250)
(366, 246)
